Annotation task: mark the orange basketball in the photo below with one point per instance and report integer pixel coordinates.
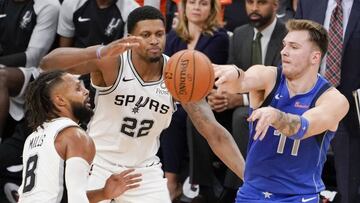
(189, 76)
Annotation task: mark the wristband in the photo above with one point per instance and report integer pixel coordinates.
(237, 70)
(98, 51)
(304, 125)
(245, 100)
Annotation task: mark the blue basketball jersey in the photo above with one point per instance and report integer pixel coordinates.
(279, 164)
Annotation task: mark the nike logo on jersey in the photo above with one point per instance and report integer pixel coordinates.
(80, 19)
(2, 15)
(127, 80)
(278, 96)
(308, 199)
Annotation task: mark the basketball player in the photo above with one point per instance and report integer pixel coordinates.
(294, 115)
(133, 105)
(57, 154)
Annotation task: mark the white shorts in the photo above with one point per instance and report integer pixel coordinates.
(16, 109)
(153, 187)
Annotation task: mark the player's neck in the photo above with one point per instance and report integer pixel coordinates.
(148, 71)
(301, 85)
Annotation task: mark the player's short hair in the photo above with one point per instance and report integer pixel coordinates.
(143, 13)
(38, 105)
(317, 32)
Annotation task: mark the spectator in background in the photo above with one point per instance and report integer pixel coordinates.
(159, 4)
(28, 29)
(243, 46)
(286, 10)
(235, 15)
(84, 23)
(341, 67)
(199, 28)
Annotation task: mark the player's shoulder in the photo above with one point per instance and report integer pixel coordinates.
(333, 96)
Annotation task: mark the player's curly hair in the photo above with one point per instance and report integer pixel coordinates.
(38, 105)
(143, 13)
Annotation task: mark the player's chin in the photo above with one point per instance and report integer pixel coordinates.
(154, 59)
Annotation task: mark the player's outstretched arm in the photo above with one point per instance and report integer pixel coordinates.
(232, 79)
(219, 139)
(76, 60)
(115, 185)
(329, 109)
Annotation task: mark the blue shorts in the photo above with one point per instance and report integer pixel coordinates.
(250, 194)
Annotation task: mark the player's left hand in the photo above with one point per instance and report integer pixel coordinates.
(265, 116)
(117, 184)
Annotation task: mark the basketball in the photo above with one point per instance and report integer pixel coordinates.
(189, 76)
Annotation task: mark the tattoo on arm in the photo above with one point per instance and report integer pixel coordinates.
(200, 114)
(287, 124)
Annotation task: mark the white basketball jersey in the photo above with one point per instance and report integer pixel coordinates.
(43, 173)
(129, 117)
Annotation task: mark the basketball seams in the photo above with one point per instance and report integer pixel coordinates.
(188, 71)
(209, 73)
(193, 75)
(177, 96)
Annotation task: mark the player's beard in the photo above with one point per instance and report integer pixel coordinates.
(262, 21)
(154, 59)
(82, 112)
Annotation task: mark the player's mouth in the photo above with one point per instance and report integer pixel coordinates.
(87, 102)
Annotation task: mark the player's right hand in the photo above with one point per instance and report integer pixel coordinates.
(117, 184)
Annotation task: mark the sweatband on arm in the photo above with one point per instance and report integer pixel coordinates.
(304, 125)
(76, 176)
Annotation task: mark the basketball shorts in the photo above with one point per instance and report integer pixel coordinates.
(153, 187)
(250, 194)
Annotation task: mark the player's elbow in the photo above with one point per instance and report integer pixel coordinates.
(344, 106)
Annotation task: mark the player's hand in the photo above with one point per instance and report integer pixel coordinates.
(217, 101)
(117, 47)
(265, 117)
(117, 184)
(227, 78)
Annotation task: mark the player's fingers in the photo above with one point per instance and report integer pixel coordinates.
(125, 172)
(132, 176)
(132, 181)
(253, 116)
(129, 187)
(257, 133)
(262, 136)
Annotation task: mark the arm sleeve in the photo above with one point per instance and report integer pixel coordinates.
(76, 175)
(44, 32)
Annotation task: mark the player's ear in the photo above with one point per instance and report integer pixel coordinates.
(58, 100)
(316, 57)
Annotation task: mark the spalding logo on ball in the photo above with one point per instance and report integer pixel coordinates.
(189, 76)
